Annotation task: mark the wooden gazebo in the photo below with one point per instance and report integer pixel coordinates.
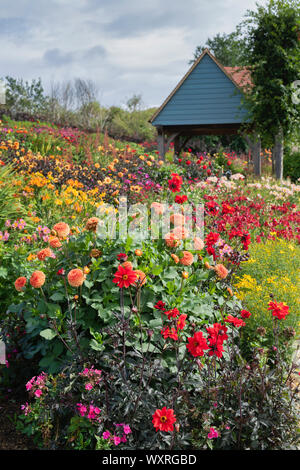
(208, 100)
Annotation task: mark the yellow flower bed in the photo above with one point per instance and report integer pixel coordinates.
(273, 269)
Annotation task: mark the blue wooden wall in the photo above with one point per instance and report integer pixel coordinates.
(207, 96)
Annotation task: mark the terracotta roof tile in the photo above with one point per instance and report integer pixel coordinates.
(241, 76)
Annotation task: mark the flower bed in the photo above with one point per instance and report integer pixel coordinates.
(175, 342)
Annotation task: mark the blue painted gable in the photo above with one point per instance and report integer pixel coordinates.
(206, 96)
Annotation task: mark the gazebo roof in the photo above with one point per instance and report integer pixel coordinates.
(208, 94)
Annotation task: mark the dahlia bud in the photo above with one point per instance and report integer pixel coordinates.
(261, 331)
(95, 253)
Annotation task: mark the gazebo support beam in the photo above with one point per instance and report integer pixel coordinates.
(255, 149)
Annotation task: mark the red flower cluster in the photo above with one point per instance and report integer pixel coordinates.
(244, 236)
(175, 183)
(217, 336)
(210, 240)
(180, 199)
(279, 310)
(176, 323)
(197, 344)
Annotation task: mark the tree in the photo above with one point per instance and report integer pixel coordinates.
(273, 55)
(227, 48)
(24, 97)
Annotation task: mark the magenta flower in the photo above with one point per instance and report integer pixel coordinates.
(212, 434)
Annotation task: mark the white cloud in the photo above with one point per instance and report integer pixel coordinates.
(126, 46)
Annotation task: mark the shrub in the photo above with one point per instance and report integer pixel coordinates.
(291, 165)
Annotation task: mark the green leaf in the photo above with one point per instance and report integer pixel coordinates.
(48, 334)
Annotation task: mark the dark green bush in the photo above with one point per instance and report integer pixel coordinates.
(291, 165)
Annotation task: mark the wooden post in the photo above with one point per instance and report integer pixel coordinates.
(176, 146)
(256, 155)
(255, 149)
(161, 142)
(278, 155)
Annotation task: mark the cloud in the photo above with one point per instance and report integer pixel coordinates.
(56, 57)
(126, 46)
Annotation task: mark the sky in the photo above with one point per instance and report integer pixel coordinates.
(126, 47)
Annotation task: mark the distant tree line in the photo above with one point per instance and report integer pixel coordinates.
(75, 103)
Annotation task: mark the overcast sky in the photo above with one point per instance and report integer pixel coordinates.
(126, 46)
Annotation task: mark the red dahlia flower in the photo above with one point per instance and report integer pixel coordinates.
(169, 333)
(215, 347)
(245, 314)
(180, 199)
(164, 419)
(181, 322)
(175, 183)
(279, 310)
(197, 344)
(172, 313)
(124, 277)
(160, 305)
(235, 321)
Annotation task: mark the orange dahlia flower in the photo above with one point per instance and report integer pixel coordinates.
(198, 243)
(141, 277)
(158, 207)
(92, 224)
(54, 242)
(177, 219)
(181, 233)
(61, 229)
(171, 240)
(45, 253)
(76, 277)
(127, 264)
(20, 283)
(187, 259)
(221, 271)
(37, 279)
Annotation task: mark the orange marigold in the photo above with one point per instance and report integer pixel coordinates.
(187, 258)
(37, 279)
(61, 229)
(20, 283)
(76, 277)
(221, 271)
